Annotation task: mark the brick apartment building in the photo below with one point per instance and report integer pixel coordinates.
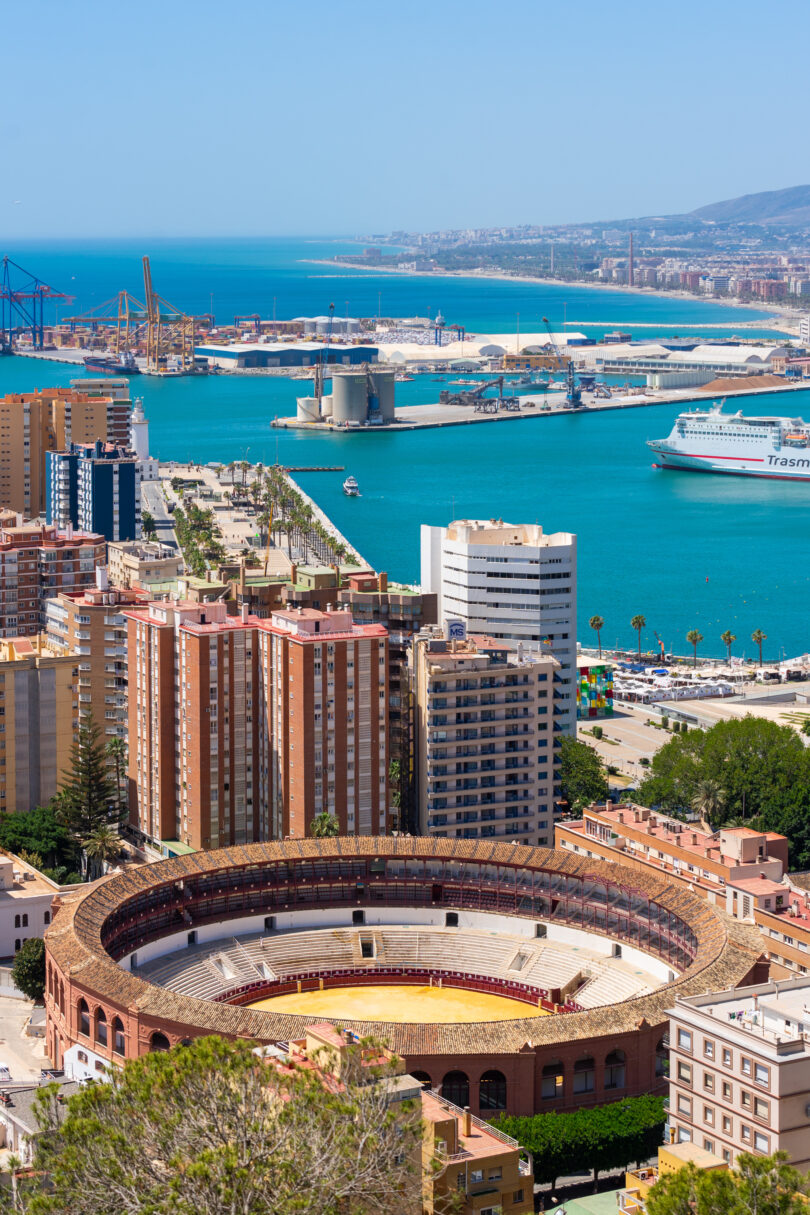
(243, 729)
(91, 626)
(36, 564)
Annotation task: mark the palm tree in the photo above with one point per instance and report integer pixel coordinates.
(727, 639)
(709, 801)
(694, 638)
(104, 844)
(597, 623)
(758, 637)
(638, 623)
(324, 825)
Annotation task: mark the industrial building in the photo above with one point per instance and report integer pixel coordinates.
(717, 359)
(283, 354)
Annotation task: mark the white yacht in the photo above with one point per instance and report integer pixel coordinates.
(350, 488)
(708, 440)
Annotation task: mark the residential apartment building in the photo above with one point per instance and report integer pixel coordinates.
(470, 1167)
(404, 611)
(740, 1071)
(484, 727)
(193, 722)
(91, 625)
(143, 564)
(26, 900)
(36, 564)
(34, 423)
(243, 729)
(95, 487)
(116, 391)
(38, 713)
(713, 864)
(512, 583)
(324, 722)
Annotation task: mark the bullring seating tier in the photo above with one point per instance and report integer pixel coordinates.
(210, 970)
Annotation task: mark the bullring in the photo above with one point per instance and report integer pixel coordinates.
(323, 913)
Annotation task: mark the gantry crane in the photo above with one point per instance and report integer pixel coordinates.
(22, 304)
(168, 330)
(250, 316)
(573, 393)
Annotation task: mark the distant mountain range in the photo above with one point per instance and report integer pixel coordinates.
(770, 208)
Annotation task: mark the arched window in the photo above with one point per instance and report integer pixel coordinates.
(184, 1042)
(119, 1041)
(614, 1069)
(61, 997)
(553, 1080)
(423, 1078)
(456, 1088)
(584, 1076)
(101, 1027)
(16, 921)
(492, 1091)
(159, 1041)
(84, 1018)
(662, 1058)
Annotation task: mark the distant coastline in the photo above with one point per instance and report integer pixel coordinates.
(778, 314)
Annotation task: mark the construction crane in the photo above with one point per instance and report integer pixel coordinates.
(573, 394)
(168, 330)
(22, 305)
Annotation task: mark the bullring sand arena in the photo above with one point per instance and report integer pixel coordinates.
(508, 978)
(416, 1005)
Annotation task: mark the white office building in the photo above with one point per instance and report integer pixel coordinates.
(511, 583)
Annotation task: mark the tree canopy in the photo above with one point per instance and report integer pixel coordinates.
(87, 797)
(37, 831)
(755, 768)
(210, 1128)
(759, 1185)
(28, 968)
(581, 774)
(608, 1137)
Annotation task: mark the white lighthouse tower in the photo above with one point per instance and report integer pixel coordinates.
(139, 441)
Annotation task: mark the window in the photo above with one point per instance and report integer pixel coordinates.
(84, 1018)
(119, 1041)
(584, 1076)
(476, 1176)
(745, 1066)
(762, 1074)
(762, 1109)
(16, 921)
(552, 1081)
(745, 1131)
(685, 1072)
(746, 1099)
(684, 1039)
(456, 1088)
(708, 1115)
(492, 1091)
(684, 1135)
(101, 1027)
(708, 1082)
(727, 1155)
(25, 921)
(684, 1105)
(159, 1041)
(761, 1143)
(517, 1196)
(726, 1057)
(614, 1069)
(495, 1174)
(726, 1125)
(726, 1091)
(708, 1145)
(708, 1048)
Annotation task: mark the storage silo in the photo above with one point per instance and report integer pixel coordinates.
(309, 409)
(349, 398)
(384, 382)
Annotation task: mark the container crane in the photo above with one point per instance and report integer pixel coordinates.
(22, 304)
(573, 394)
(167, 332)
(250, 316)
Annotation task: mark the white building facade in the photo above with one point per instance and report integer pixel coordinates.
(512, 583)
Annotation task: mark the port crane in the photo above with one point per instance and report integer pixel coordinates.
(123, 312)
(168, 330)
(475, 396)
(22, 304)
(320, 375)
(250, 316)
(573, 394)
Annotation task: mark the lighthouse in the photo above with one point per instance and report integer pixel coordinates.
(139, 441)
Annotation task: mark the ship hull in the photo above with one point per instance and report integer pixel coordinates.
(106, 367)
(762, 474)
(773, 466)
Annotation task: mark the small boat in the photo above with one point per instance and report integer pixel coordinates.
(350, 488)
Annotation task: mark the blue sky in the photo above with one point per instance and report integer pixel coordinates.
(260, 117)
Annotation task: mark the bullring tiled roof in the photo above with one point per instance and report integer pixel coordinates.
(726, 948)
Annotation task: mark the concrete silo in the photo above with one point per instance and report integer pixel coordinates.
(349, 398)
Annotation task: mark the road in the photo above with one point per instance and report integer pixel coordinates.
(152, 500)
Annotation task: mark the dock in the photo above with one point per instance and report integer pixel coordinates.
(546, 405)
(315, 468)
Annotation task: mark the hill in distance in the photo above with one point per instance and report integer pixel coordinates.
(769, 208)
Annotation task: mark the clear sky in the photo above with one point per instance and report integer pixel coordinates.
(164, 117)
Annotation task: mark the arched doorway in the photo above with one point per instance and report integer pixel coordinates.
(492, 1090)
(456, 1088)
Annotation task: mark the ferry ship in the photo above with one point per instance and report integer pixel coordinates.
(708, 440)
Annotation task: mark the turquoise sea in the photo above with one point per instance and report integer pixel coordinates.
(708, 552)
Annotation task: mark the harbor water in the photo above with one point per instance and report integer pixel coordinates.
(685, 550)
